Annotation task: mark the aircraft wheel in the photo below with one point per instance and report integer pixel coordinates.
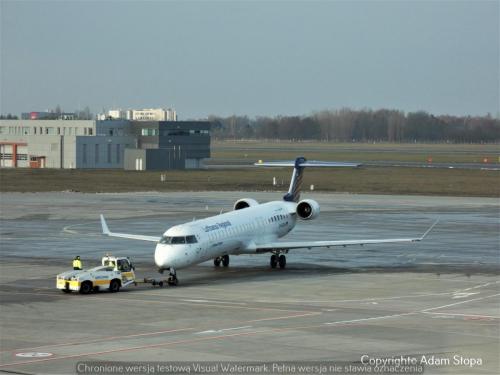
(274, 261)
(217, 262)
(225, 260)
(173, 281)
(282, 261)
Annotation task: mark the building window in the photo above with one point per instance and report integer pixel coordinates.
(109, 153)
(58, 131)
(84, 149)
(117, 153)
(90, 131)
(149, 132)
(177, 132)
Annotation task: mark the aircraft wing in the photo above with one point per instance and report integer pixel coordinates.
(262, 248)
(106, 231)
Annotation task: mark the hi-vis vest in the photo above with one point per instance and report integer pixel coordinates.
(77, 263)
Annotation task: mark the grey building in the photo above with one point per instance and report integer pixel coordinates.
(103, 144)
(169, 145)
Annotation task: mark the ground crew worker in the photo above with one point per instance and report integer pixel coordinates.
(77, 263)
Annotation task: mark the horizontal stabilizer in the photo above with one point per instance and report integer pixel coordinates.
(309, 163)
(293, 194)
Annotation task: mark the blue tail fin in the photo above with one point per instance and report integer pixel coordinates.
(293, 194)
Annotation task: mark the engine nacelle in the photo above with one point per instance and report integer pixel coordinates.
(307, 209)
(244, 203)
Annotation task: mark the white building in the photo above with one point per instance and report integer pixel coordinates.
(154, 114)
(148, 114)
(119, 114)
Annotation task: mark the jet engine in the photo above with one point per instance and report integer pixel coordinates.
(307, 209)
(244, 203)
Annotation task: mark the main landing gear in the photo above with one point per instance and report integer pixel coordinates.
(223, 259)
(278, 259)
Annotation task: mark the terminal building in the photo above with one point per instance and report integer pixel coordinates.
(104, 144)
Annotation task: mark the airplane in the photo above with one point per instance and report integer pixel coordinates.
(251, 228)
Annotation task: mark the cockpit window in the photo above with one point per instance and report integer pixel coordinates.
(178, 240)
(191, 239)
(165, 239)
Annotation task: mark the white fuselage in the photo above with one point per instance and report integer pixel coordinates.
(235, 232)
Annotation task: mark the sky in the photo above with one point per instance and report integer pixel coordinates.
(250, 58)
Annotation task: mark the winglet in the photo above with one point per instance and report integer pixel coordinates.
(105, 229)
(428, 230)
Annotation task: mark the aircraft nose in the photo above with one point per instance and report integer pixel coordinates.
(163, 256)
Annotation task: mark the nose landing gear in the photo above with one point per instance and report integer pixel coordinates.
(172, 278)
